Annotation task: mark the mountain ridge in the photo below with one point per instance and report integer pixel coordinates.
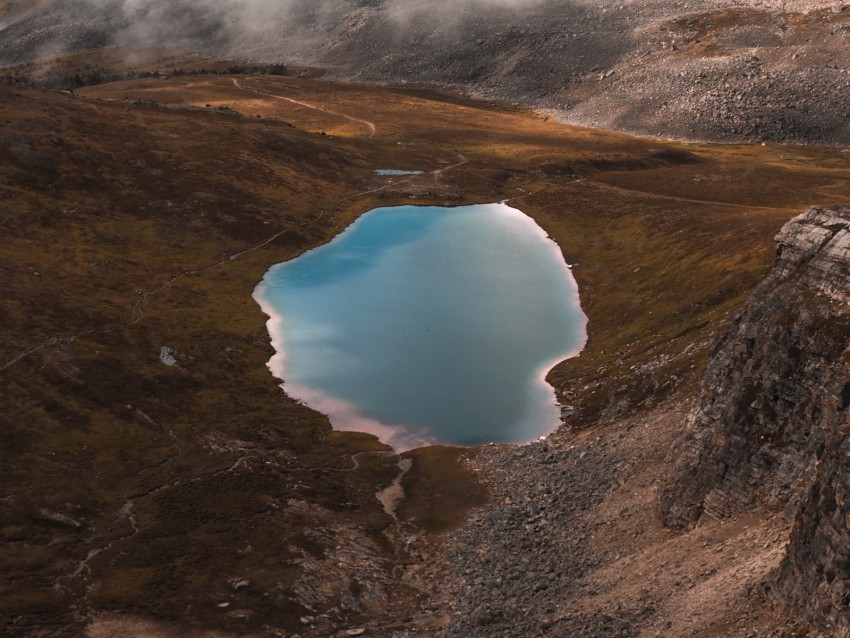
(721, 70)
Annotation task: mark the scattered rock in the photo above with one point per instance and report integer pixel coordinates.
(239, 583)
(166, 355)
(742, 70)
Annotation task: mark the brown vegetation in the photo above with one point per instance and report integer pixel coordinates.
(133, 486)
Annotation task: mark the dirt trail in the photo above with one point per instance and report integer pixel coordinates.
(370, 126)
(82, 573)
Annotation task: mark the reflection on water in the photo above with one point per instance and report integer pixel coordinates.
(395, 171)
(427, 324)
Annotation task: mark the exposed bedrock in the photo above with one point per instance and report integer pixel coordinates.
(769, 425)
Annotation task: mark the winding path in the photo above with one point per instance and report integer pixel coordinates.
(83, 568)
(370, 126)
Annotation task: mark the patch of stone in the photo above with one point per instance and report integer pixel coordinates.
(769, 425)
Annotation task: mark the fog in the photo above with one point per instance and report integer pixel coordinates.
(248, 28)
(163, 17)
(264, 30)
(157, 22)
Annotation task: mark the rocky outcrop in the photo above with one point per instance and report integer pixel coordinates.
(770, 423)
(815, 574)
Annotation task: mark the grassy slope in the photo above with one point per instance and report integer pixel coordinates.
(121, 200)
(105, 198)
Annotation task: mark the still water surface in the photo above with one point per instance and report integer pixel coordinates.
(427, 324)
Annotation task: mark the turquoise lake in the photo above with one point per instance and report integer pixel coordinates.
(424, 324)
(395, 171)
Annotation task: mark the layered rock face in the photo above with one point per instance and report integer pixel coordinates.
(770, 423)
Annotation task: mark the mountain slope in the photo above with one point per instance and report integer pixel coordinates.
(152, 470)
(744, 70)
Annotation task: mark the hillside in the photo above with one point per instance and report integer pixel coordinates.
(768, 429)
(156, 479)
(733, 70)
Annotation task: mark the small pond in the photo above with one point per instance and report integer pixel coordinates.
(395, 171)
(427, 325)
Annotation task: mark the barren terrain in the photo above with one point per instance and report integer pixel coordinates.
(155, 480)
(723, 70)
(196, 499)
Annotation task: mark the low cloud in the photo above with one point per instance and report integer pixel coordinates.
(154, 22)
(243, 28)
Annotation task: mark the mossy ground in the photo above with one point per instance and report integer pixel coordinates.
(106, 195)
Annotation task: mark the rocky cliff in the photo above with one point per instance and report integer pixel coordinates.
(769, 426)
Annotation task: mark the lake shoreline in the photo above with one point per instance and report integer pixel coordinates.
(346, 415)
